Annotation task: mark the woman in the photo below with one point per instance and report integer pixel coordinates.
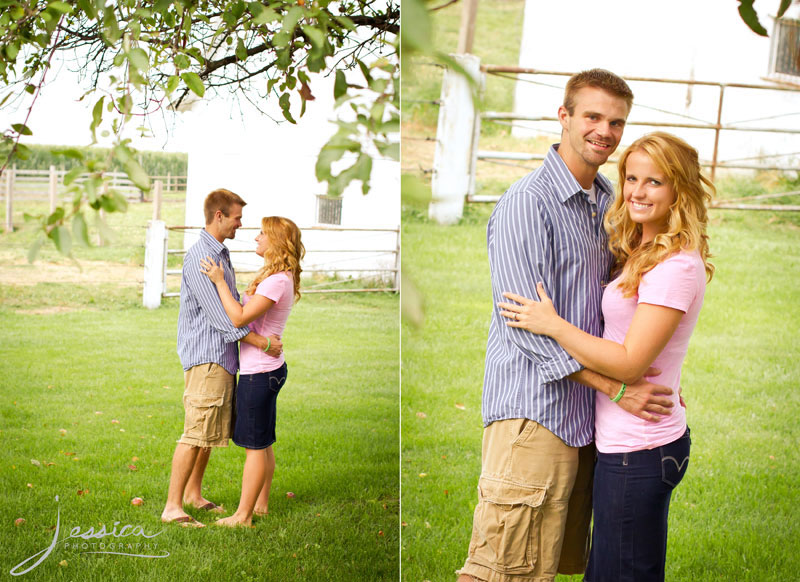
(657, 232)
(266, 305)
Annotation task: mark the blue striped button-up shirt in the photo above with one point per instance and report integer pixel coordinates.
(205, 332)
(545, 228)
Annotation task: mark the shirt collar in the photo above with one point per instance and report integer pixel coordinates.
(212, 243)
(566, 184)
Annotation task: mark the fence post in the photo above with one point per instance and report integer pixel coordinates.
(157, 187)
(53, 188)
(155, 264)
(454, 137)
(10, 172)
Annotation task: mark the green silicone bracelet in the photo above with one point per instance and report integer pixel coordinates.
(618, 397)
(269, 343)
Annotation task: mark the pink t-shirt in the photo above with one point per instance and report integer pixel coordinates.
(280, 288)
(678, 282)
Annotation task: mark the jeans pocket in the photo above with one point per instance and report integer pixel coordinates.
(505, 534)
(277, 378)
(674, 461)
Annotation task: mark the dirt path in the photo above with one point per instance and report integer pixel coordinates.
(15, 270)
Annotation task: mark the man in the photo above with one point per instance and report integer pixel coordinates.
(210, 357)
(532, 518)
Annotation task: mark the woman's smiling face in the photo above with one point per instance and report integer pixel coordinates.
(647, 194)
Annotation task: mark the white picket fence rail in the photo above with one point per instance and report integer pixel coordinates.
(157, 252)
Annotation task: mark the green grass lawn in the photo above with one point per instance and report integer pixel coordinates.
(91, 409)
(735, 516)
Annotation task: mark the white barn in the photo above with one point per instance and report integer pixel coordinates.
(271, 165)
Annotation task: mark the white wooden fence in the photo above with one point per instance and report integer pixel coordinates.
(157, 252)
(48, 186)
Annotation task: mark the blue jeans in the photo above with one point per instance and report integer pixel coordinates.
(631, 503)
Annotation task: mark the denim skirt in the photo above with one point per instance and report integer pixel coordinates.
(256, 396)
(630, 501)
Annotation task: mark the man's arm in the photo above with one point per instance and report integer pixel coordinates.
(261, 342)
(520, 254)
(642, 398)
(205, 292)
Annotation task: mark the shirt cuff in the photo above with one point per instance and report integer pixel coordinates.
(236, 334)
(558, 369)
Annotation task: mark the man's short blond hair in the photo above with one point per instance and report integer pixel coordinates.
(220, 199)
(601, 79)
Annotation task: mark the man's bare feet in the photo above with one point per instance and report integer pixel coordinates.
(260, 512)
(183, 520)
(234, 521)
(204, 504)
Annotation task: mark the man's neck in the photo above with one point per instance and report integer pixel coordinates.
(210, 229)
(582, 172)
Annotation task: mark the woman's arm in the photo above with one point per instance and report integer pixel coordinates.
(239, 316)
(651, 329)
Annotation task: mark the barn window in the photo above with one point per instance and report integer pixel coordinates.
(784, 63)
(329, 209)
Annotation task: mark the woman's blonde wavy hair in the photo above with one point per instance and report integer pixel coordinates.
(284, 252)
(686, 227)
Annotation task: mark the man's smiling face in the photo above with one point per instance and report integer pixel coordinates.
(594, 128)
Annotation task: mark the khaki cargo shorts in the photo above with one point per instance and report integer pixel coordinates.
(534, 505)
(207, 400)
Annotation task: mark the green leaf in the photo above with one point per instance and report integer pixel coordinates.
(241, 50)
(62, 239)
(182, 61)
(315, 36)
(87, 7)
(784, 7)
(139, 59)
(23, 151)
(365, 71)
(263, 14)
(748, 14)
(172, 84)
(30, 89)
(194, 83)
(97, 117)
(60, 7)
(21, 129)
(34, 250)
(12, 50)
(73, 174)
(137, 174)
(291, 19)
(284, 59)
(80, 232)
(340, 86)
(281, 39)
(285, 104)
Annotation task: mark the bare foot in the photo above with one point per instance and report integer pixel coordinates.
(260, 512)
(234, 521)
(183, 520)
(204, 504)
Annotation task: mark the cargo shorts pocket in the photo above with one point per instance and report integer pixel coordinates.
(505, 534)
(203, 417)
